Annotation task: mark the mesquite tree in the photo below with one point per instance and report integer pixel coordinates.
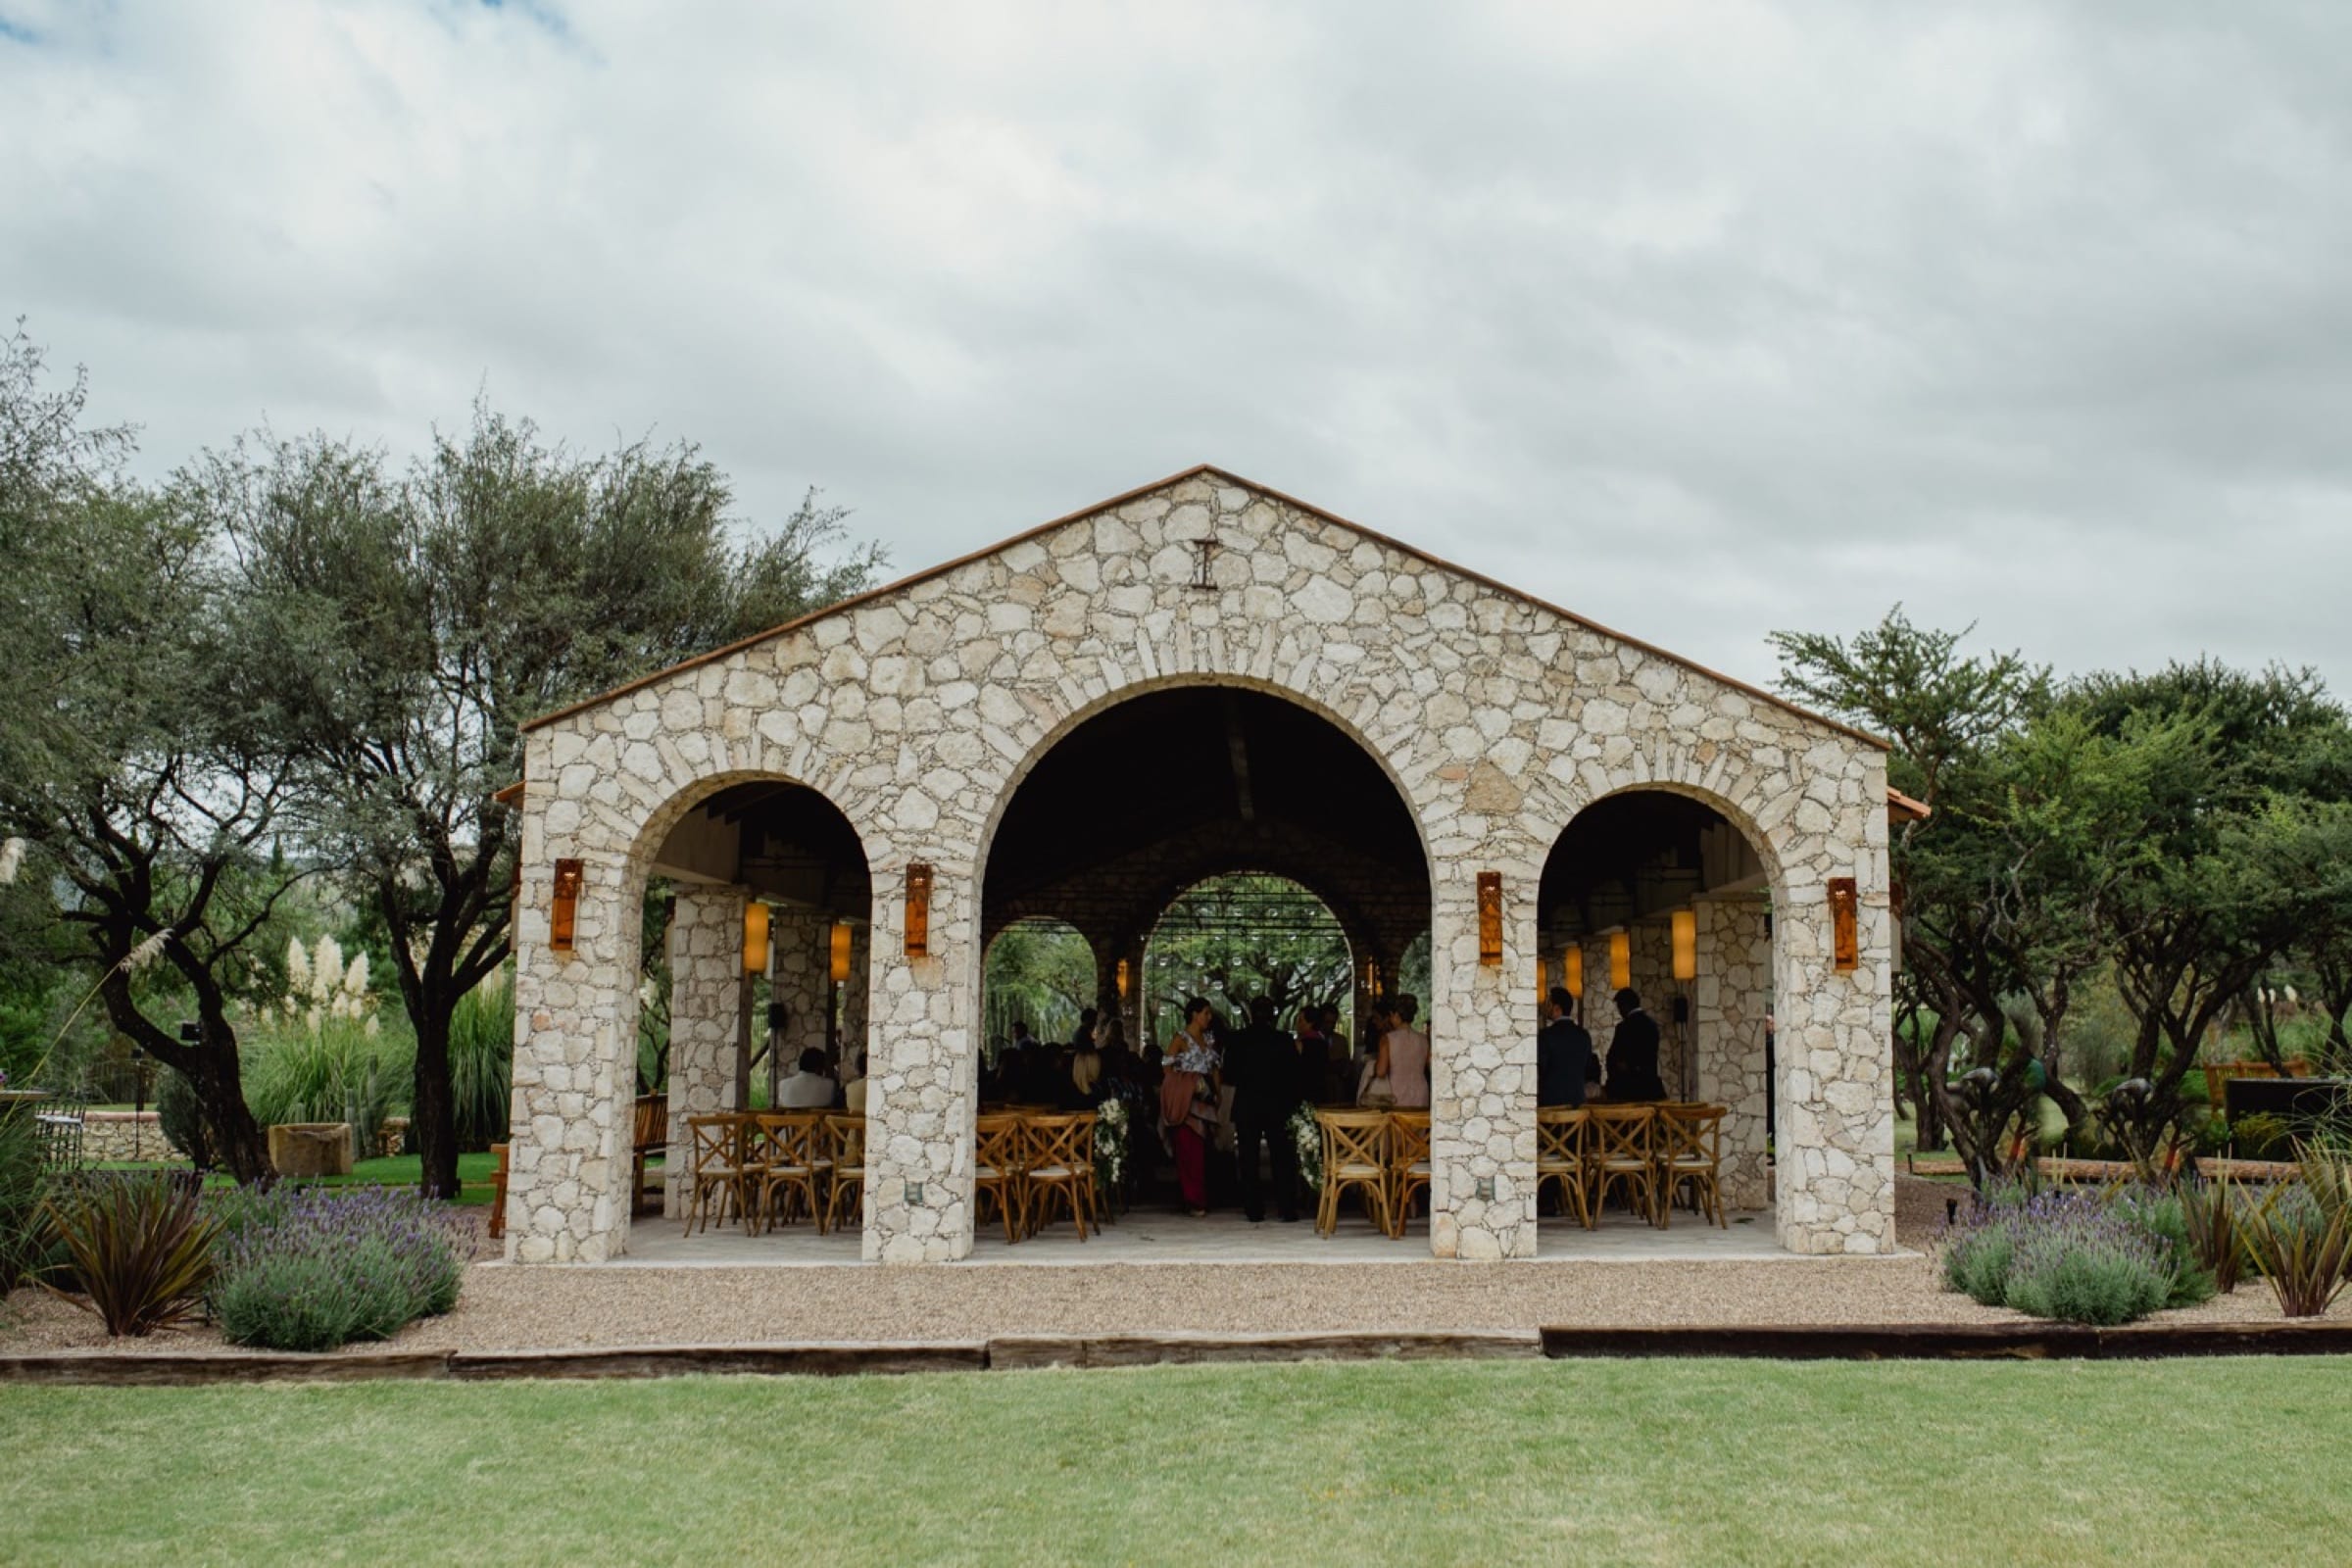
(402, 624)
(127, 761)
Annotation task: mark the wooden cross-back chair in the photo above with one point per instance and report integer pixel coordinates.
(1356, 1153)
(1059, 1167)
(844, 1140)
(789, 1160)
(1560, 1135)
(720, 1171)
(999, 1152)
(1408, 1164)
(1689, 1150)
(649, 1131)
(1620, 1153)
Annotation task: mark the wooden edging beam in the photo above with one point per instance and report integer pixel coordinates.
(1009, 1352)
(1955, 1342)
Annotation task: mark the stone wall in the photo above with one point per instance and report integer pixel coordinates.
(1732, 998)
(112, 1135)
(706, 1006)
(918, 710)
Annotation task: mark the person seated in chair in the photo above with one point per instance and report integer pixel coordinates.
(808, 1088)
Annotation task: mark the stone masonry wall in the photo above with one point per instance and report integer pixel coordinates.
(706, 1006)
(918, 710)
(1730, 999)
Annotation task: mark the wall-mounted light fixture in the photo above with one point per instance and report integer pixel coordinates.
(1620, 960)
(1489, 916)
(1123, 978)
(563, 914)
(1845, 904)
(1372, 977)
(755, 938)
(841, 951)
(1572, 970)
(1685, 944)
(918, 911)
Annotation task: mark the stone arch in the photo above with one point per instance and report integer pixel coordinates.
(1040, 738)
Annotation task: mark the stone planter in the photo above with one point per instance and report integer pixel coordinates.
(310, 1149)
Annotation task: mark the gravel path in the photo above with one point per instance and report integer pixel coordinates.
(508, 1308)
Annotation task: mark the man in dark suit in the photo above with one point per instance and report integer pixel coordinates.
(1261, 1064)
(1634, 1052)
(1563, 1053)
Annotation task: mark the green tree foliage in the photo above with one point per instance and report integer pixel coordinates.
(1041, 974)
(401, 626)
(128, 757)
(1232, 939)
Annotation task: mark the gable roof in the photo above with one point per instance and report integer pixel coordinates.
(1196, 471)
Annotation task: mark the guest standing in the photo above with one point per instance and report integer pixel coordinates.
(1263, 1066)
(1563, 1053)
(1188, 1103)
(1634, 1053)
(1404, 1058)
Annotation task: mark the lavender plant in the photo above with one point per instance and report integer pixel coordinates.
(2060, 1254)
(308, 1268)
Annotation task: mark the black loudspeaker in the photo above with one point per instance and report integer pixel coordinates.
(777, 1016)
(1682, 1009)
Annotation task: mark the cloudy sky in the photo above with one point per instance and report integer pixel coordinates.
(1702, 321)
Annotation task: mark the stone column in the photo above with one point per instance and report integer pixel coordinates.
(924, 1066)
(855, 990)
(1599, 1013)
(797, 938)
(1481, 1026)
(575, 1064)
(1835, 1142)
(706, 1009)
(1732, 998)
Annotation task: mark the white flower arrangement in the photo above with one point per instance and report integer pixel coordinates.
(1110, 1142)
(1306, 1137)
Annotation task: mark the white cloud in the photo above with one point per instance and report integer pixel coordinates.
(1702, 319)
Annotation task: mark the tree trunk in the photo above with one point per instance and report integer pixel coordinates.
(432, 1110)
(238, 1142)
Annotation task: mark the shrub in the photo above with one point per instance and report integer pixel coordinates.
(2304, 1250)
(481, 1062)
(2210, 1212)
(314, 1268)
(2060, 1255)
(181, 1114)
(24, 1227)
(2165, 1217)
(139, 1249)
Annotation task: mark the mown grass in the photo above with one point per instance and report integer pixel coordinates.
(400, 1170)
(1666, 1463)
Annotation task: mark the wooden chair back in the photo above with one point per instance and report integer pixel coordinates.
(1062, 1142)
(845, 1142)
(1000, 1151)
(1409, 1138)
(1561, 1134)
(789, 1139)
(1354, 1142)
(1621, 1135)
(715, 1141)
(1688, 1133)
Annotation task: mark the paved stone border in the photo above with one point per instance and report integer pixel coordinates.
(1011, 1352)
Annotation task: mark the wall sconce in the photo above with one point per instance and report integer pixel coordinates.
(841, 951)
(1845, 902)
(1372, 977)
(1489, 916)
(1620, 960)
(1685, 944)
(918, 911)
(562, 917)
(1123, 978)
(755, 938)
(1572, 970)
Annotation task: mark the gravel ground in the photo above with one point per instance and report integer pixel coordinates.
(505, 1308)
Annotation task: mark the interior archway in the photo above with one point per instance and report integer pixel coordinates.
(1137, 807)
(1657, 891)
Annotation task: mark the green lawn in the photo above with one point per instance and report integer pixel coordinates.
(401, 1170)
(1610, 1462)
